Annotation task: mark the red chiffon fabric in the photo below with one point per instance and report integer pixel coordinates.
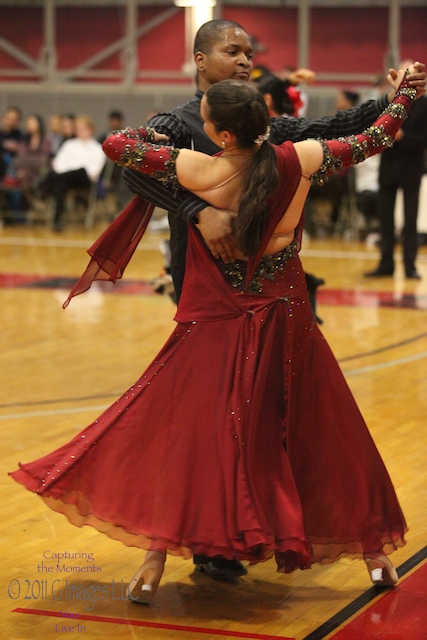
(241, 439)
(110, 254)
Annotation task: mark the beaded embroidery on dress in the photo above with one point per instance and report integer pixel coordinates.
(235, 272)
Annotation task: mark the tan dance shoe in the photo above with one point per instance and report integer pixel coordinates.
(143, 586)
(382, 571)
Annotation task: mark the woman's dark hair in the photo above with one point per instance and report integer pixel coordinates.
(238, 107)
(42, 128)
(278, 89)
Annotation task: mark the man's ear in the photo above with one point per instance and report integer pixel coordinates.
(199, 59)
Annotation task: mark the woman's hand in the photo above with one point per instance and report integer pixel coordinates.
(159, 137)
(395, 77)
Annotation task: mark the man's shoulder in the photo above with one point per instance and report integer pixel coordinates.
(178, 124)
(170, 123)
(190, 106)
(176, 113)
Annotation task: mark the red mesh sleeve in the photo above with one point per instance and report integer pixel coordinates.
(130, 148)
(345, 152)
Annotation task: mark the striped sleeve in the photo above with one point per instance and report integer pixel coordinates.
(183, 203)
(342, 123)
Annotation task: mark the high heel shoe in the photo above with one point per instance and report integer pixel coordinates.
(143, 586)
(382, 571)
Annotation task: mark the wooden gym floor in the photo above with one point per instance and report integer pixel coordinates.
(60, 369)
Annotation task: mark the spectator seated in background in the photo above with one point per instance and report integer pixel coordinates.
(29, 166)
(68, 126)
(111, 178)
(31, 162)
(77, 165)
(10, 139)
(54, 133)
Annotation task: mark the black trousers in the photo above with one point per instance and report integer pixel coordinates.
(386, 205)
(58, 185)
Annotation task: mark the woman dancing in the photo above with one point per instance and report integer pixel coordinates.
(241, 439)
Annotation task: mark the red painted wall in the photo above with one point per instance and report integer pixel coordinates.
(343, 40)
(349, 40)
(276, 30)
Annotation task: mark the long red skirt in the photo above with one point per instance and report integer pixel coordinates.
(241, 439)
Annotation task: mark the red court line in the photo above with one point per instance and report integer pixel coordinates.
(361, 298)
(152, 625)
(338, 297)
(400, 613)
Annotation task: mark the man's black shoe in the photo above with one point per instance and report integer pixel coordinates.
(379, 273)
(313, 283)
(413, 275)
(221, 569)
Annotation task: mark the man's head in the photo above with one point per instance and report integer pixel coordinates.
(222, 51)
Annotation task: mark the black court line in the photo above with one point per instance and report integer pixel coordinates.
(118, 393)
(38, 403)
(342, 616)
(388, 347)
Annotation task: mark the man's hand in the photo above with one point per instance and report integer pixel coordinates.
(215, 227)
(416, 78)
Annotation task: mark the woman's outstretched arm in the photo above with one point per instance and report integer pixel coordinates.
(324, 157)
(137, 149)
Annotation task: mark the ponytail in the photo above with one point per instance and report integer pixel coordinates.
(261, 182)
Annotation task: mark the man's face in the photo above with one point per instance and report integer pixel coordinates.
(230, 58)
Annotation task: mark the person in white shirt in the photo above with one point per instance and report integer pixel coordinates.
(366, 182)
(77, 165)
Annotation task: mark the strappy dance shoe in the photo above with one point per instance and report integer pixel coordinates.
(382, 571)
(143, 586)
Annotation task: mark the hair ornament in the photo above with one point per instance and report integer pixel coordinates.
(262, 137)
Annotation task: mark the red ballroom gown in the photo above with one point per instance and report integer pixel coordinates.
(242, 438)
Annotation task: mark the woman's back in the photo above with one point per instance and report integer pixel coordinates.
(227, 177)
